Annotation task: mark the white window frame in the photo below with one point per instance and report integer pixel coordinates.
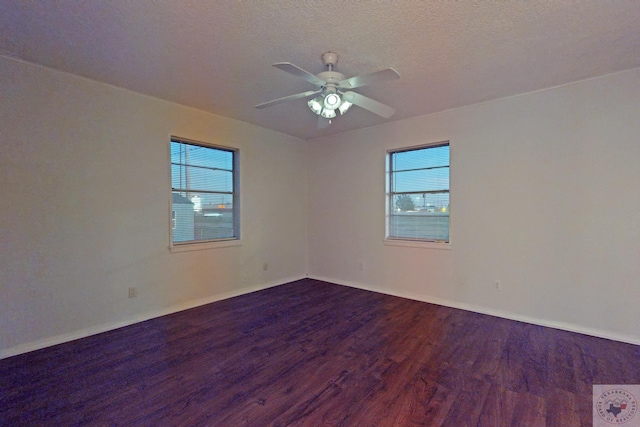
(191, 245)
(431, 243)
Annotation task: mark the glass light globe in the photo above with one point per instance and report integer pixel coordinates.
(332, 101)
(344, 107)
(315, 104)
(328, 114)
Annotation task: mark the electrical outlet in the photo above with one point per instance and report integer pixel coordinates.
(361, 266)
(133, 292)
(497, 285)
(265, 266)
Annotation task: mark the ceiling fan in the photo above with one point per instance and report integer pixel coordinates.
(334, 90)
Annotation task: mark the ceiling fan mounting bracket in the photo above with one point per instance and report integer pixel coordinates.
(330, 59)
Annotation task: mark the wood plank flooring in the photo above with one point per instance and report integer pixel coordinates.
(310, 353)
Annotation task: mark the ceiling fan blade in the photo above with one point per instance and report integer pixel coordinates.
(288, 98)
(368, 104)
(323, 123)
(367, 79)
(299, 72)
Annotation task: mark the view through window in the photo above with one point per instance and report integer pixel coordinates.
(418, 193)
(204, 193)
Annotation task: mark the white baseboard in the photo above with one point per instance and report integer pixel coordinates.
(600, 333)
(82, 333)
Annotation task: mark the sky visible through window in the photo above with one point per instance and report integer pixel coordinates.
(422, 171)
(206, 172)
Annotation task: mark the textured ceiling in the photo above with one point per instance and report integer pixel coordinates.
(217, 55)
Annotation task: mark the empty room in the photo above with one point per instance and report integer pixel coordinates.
(320, 213)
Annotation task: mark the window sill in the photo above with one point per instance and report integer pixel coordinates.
(418, 244)
(187, 247)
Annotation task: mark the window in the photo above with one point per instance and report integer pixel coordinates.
(204, 193)
(418, 193)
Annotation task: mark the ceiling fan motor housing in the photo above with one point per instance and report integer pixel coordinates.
(331, 77)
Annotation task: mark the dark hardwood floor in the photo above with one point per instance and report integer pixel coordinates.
(310, 353)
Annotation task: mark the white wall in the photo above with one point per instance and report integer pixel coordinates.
(84, 212)
(545, 197)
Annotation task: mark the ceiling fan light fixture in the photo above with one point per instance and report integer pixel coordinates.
(325, 105)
